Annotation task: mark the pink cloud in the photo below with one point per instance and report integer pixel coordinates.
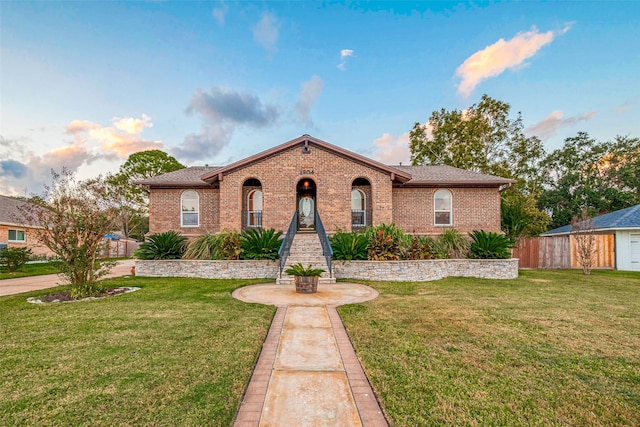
(493, 60)
(554, 121)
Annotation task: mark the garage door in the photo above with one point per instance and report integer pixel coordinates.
(635, 252)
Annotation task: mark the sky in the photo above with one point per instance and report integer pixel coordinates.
(84, 84)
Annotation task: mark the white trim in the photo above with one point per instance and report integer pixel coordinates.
(197, 212)
(449, 211)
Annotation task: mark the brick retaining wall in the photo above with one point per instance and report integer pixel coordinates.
(395, 271)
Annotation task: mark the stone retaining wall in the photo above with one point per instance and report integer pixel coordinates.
(208, 269)
(433, 269)
(396, 271)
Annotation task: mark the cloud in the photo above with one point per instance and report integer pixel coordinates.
(392, 150)
(493, 60)
(120, 140)
(266, 32)
(223, 110)
(554, 121)
(623, 108)
(220, 13)
(344, 54)
(308, 96)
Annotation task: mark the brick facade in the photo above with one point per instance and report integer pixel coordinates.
(223, 192)
(30, 240)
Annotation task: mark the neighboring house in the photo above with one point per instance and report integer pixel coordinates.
(624, 225)
(314, 178)
(13, 233)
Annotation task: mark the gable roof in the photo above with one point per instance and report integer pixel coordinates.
(306, 140)
(10, 212)
(621, 219)
(415, 176)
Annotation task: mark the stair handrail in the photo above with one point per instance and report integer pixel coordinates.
(327, 251)
(285, 246)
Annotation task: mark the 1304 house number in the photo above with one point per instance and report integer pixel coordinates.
(306, 171)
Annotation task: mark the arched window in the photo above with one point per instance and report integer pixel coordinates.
(254, 211)
(190, 209)
(442, 208)
(358, 208)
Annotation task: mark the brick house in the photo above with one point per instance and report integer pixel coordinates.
(13, 233)
(308, 178)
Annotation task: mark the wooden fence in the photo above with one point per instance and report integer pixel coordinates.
(560, 252)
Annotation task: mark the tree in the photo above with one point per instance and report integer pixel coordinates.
(586, 174)
(72, 220)
(133, 199)
(483, 138)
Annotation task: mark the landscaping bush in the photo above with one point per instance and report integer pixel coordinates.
(349, 246)
(421, 247)
(258, 243)
(14, 258)
(201, 247)
(489, 245)
(228, 245)
(167, 245)
(387, 242)
(452, 244)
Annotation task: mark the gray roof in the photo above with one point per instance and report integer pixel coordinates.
(420, 176)
(448, 175)
(187, 177)
(624, 218)
(9, 212)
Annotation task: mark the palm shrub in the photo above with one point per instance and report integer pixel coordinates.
(349, 246)
(300, 270)
(14, 258)
(167, 245)
(202, 247)
(386, 242)
(489, 245)
(453, 244)
(258, 243)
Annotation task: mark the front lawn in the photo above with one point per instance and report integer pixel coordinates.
(176, 352)
(551, 348)
(36, 269)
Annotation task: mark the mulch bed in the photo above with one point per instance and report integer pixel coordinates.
(65, 296)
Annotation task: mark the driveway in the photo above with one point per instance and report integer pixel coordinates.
(34, 283)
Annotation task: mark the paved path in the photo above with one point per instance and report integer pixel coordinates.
(308, 373)
(34, 283)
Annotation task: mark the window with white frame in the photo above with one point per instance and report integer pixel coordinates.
(17, 236)
(358, 208)
(190, 207)
(442, 207)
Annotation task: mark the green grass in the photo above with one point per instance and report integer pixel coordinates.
(176, 352)
(551, 348)
(30, 270)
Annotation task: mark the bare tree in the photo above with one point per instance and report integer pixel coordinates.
(73, 217)
(584, 236)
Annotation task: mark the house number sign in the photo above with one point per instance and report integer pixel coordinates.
(306, 171)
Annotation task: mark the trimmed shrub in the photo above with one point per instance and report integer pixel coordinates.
(167, 245)
(489, 245)
(349, 246)
(258, 243)
(14, 258)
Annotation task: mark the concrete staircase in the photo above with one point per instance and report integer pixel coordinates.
(306, 249)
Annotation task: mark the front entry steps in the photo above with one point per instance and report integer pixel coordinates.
(306, 249)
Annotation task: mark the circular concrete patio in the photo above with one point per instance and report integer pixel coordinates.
(283, 295)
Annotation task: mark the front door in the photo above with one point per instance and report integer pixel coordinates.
(306, 204)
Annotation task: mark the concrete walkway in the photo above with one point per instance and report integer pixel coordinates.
(308, 373)
(35, 283)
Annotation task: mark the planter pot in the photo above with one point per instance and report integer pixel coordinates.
(306, 284)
